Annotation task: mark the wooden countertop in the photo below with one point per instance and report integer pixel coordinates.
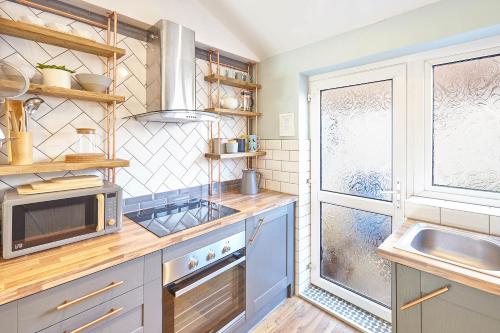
(471, 278)
(27, 275)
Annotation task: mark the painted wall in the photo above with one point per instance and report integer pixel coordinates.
(447, 22)
(191, 13)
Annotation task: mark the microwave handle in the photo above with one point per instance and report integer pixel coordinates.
(100, 212)
(173, 290)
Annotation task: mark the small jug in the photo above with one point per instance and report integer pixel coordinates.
(249, 184)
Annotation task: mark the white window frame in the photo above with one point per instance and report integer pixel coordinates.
(419, 119)
(420, 92)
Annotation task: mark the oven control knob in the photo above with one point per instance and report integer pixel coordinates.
(226, 248)
(111, 222)
(210, 255)
(193, 263)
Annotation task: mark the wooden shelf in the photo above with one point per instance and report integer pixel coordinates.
(54, 37)
(234, 155)
(233, 112)
(60, 166)
(40, 89)
(232, 82)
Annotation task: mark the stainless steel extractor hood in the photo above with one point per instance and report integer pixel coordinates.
(171, 76)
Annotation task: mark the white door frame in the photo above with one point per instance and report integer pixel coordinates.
(396, 73)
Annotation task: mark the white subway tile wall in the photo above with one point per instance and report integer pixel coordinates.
(472, 217)
(495, 225)
(162, 157)
(286, 168)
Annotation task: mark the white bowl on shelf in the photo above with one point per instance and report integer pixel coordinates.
(93, 82)
(229, 102)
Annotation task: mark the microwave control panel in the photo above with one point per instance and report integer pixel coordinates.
(111, 211)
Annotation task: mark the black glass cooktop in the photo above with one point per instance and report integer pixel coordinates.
(175, 217)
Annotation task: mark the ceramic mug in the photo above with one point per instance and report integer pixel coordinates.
(241, 145)
(252, 143)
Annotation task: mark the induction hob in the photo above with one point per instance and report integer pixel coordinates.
(174, 217)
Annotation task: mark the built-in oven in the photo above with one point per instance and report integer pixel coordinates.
(32, 223)
(204, 291)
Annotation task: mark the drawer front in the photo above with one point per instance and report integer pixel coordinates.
(120, 315)
(41, 310)
(463, 296)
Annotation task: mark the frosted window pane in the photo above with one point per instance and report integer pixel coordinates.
(466, 138)
(356, 140)
(349, 241)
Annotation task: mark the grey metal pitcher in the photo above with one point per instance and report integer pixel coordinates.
(249, 184)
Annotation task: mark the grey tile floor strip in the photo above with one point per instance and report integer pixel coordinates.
(360, 318)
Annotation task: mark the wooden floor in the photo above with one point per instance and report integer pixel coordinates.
(297, 315)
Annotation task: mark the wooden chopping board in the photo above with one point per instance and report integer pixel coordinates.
(60, 184)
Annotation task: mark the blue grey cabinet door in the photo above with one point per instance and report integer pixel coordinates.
(269, 257)
(407, 282)
(8, 317)
(461, 309)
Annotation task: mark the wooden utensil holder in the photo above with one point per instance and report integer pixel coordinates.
(21, 147)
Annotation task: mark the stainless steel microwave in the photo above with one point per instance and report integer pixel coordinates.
(32, 223)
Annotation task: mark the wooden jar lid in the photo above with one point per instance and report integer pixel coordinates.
(85, 157)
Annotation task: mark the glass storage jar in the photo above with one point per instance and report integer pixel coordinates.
(86, 140)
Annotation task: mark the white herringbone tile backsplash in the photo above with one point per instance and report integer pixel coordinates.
(162, 157)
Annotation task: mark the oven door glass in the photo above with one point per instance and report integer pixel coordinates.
(208, 300)
(46, 222)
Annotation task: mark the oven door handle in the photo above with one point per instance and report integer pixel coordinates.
(172, 287)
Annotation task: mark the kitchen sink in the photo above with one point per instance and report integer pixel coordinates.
(467, 249)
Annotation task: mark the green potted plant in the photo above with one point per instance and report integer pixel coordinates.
(56, 76)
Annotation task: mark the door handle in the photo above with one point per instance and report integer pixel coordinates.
(396, 192)
(425, 298)
(257, 231)
(92, 294)
(100, 212)
(111, 313)
(172, 288)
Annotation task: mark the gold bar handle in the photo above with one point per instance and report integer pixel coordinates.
(100, 212)
(112, 312)
(257, 231)
(94, 293)
(425, 298)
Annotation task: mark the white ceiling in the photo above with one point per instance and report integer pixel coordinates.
(269, 27)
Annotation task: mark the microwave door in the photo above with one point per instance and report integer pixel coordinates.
(41, 223)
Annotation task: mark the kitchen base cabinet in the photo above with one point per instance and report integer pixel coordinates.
(121, 299)
(8, 317)
(54, 305)
(460, 309)
(270, 255)
(121, 314)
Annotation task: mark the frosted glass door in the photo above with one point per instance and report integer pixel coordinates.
(357, 159)
(356, 139)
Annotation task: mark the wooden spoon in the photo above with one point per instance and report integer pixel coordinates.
(13, 121)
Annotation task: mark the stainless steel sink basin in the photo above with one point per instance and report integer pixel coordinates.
(467, 249)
